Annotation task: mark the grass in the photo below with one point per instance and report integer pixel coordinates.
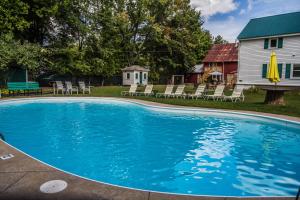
(253, 101)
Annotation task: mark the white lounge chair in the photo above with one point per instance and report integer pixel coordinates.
(237, 95)
(167, 93)
(58, 86)
(131, 92)
(83, 88)
(218, 94)
(200, 91)
(70, 88)
(179, 92)
(148, 91)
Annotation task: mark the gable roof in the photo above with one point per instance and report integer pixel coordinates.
(136, 68)
(222, 53)
(283, 24)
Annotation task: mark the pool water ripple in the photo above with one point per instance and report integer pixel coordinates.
(166, 150)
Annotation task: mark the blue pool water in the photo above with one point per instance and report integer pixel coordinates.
(167, 150)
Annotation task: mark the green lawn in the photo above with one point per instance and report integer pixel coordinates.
(253, 101)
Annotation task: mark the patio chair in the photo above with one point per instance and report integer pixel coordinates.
(179, 92)
(70, 88)
(200, 91)
(218, 94)
(131, 92)
(58, 86)
(167, 93)
(84, 88)
(237, 95)
(148, 91)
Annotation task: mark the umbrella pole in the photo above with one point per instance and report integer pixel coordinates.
(274, 93)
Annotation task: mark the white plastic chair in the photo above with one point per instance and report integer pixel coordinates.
(131, 92)
(199, 92)
(70, 88)
(58, 86)
(179, 92)
(167, 93)
(148, 91)
(237, 95)
(83, 88)
(218, 94)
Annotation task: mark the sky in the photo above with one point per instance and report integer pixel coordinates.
(228, 17)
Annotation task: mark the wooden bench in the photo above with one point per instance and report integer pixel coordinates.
(24, 86)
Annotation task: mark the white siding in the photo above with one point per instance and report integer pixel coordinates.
(133, 79)
(252, 56)
(128, 81)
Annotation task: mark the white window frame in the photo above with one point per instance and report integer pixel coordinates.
(292, 71)
(277, 39)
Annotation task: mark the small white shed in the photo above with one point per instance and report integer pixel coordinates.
(135, 75)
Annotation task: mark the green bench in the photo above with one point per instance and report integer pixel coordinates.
(26, 87)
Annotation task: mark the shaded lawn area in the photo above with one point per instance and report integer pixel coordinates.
(253, 100)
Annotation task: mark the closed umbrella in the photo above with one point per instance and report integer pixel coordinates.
(273, 74)
(275, 95)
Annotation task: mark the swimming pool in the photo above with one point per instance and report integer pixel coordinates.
(184, 151)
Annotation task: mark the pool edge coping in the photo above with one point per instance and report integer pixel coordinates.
(163, 106)
(280, 117)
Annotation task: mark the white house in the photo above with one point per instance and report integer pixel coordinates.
(135, 75)
(261, 36)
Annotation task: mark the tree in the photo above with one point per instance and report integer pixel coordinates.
(99, 37)
(12, 16)
(219, 40)
(13, 54)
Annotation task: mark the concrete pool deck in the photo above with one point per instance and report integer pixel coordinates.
(21, 177)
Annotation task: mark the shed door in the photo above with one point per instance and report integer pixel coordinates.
(141, 77)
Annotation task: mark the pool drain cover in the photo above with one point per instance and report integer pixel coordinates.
(53, 186)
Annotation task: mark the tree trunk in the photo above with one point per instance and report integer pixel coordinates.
(275, 97)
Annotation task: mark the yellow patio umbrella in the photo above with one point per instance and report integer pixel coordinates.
(273, 74)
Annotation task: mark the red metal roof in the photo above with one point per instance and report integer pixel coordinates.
(222, 53)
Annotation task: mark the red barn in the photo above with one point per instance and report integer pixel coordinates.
(221, 63)
(195, 75)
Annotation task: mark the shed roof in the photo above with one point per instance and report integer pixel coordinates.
(136, 68)
(283, 24)
(222, 53)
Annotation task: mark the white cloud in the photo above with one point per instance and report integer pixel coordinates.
(250, 5)
(211, 7)
(228, 28)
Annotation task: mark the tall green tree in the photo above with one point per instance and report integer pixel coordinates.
(99, 37)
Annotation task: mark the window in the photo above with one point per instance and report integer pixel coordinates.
(136, 76)
(296, 71)
(128, 75)
(145, 76)
(264, 70)
(273, 43)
